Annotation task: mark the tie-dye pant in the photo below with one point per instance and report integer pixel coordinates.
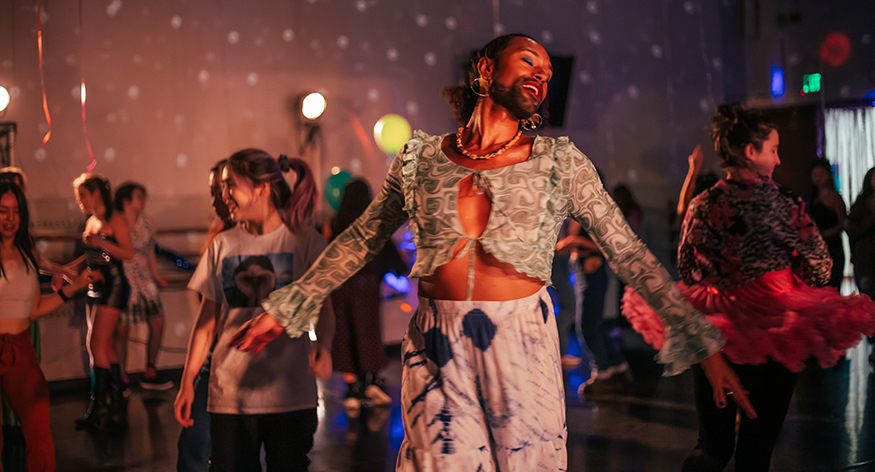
(482, 387)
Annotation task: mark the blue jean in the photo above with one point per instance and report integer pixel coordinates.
(606, 352)
(566, 315)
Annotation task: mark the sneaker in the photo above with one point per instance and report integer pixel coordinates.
(151, 381)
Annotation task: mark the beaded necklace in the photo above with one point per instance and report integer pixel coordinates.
(471, 155)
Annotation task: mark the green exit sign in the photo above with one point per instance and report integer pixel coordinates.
(810, 83)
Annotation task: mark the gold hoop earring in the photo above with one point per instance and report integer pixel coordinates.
(531, 123)
(482, 84)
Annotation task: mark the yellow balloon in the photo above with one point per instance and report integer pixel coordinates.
(391, 133)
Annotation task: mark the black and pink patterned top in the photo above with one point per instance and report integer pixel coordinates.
(737, 231)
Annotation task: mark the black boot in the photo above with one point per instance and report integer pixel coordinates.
(97, 415)
(118, 404)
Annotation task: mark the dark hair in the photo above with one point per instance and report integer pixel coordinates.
(356, 198)
(23, 240)
(295, 205)
(11, 174)
(824, 164)
(733, 128)
(868, 191)
(125, 193)
(93, 182)
(462, 97)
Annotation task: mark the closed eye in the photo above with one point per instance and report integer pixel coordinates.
(529, 61)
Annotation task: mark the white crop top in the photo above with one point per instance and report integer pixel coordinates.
(17, 291)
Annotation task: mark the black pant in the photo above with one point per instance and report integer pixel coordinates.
(771, 388)
(287, 438)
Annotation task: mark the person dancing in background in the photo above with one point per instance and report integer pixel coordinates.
(482, 385)
(747, 256)
(193, 446)
(107, 243)
(358, 346)
(861, 233)
(828, 211)
(21, 378)
(142, 274)
(267, 399)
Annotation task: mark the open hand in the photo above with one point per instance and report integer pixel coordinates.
(256, 333)
(724, 382)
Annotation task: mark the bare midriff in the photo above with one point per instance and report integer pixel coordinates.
(494, 280)
(14, 325)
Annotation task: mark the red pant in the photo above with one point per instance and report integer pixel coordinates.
(28, 394)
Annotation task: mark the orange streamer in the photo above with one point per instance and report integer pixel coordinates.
(39, 43)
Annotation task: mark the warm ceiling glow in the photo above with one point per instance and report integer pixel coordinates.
(4, 98)
(313, 105)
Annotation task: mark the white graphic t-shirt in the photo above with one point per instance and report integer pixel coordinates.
(237, 271)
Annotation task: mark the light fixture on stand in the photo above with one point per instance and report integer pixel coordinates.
(311, 106)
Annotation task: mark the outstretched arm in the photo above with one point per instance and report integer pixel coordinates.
(296, 305)
(689, 337)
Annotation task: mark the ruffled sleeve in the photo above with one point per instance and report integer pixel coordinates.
(297, 305)
(689, 337)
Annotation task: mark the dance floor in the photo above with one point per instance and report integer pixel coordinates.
(643, 422)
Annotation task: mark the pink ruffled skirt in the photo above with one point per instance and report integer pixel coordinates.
(776, 315)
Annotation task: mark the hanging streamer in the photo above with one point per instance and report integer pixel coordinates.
(42, 81)
(82, 91)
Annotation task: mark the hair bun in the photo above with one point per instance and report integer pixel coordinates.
(283, 161)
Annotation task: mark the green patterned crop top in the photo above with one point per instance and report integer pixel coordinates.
(530, 200)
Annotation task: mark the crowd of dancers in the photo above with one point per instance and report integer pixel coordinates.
(482, 382)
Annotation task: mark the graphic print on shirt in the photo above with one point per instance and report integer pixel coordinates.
(248, 279)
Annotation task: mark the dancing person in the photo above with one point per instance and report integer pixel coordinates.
(107, 243)
(267, 399)
(828, 212)
(482, 383)
(22, 380)
(747, 257)
(142, 274)
(193, 446)
(358, 346)
(861, 233)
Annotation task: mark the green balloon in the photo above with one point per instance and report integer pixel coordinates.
(334, 188)
(391, 133)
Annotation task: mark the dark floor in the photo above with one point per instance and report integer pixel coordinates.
(646, 425)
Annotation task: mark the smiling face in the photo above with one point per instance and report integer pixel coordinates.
(765, 160)
(239, 195)
(86, 199)
(9, 216)
(520, 74)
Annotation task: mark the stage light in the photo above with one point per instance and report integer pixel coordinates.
(313, 105)
(4, 98)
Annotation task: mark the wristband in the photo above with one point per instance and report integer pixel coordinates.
(60, 292)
